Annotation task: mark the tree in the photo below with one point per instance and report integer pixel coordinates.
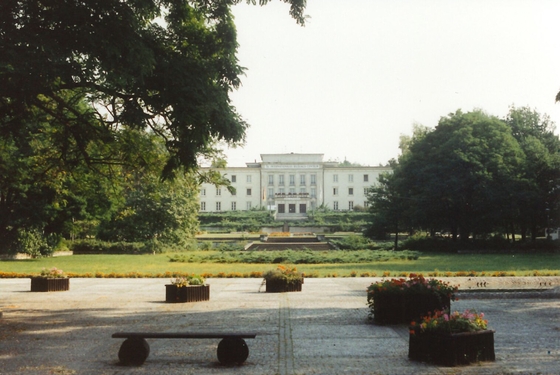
(86, 87)
(460, 177)
(387, 206)
(155, 210)
(538, 197)
(172, 78)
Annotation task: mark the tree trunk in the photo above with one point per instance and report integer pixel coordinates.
(396, 236)
(533, 233)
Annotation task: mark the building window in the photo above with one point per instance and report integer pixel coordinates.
(292, 179)
(313, 179)
(202, 192)
(335, 205)
(233, 206)
(248, 206)
(270, 193)
(302, 179)
(366, 178)
(271, 179)
(281, 180)
(302, 190)
(218, 191)
(292, 191)
(281, 191)
(249, 192)
(249, 179)
(335, 178)
(366, 204)
(233, 178)
(335, 191)
(350, 205)
(218, 206)
(350, 191)
(350, 178)
(313, 192)
(234, 191)
(366, 191)
(202, 206)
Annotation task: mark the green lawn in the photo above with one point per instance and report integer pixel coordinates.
(158, 265)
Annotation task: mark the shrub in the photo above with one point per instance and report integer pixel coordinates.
(35, 244)
(283, 273)
(355, 242)
(101, 247)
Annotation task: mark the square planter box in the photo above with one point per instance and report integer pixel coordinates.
(452, 349)
(279, 286)
(41, 284)
(403, 309)
(189, 293)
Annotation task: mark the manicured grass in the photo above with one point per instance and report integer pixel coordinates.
(159, 264)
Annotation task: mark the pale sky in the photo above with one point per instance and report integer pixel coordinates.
(362, 72)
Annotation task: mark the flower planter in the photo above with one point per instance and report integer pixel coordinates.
(42, 284)
(404, 308)
(280, 286)
(452, 349)
(189, 293)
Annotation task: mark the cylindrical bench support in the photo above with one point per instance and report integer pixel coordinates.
(134, 351)
(232, 350)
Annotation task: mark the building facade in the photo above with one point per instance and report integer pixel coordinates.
(291, 185)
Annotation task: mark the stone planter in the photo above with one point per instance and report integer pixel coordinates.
(452, 349)
(42, 284)
(403, 309)
(280, 286)
(189, 293)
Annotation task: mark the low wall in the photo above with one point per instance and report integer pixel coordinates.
(27, 256)
(296, 229)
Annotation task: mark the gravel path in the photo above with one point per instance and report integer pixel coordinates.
(321, 330)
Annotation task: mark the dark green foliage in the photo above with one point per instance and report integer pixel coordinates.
(296, 257)
(355, 242)
(101, 247)
(474, 175)
(491, 244)
(237, 221)
(92, 92)
(35, 244)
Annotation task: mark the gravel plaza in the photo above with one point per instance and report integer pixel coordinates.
(322, 330)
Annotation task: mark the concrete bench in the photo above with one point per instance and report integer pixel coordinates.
(232, 349)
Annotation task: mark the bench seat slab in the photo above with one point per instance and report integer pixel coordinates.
(183, 335)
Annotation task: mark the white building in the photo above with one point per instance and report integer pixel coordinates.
(290, 185)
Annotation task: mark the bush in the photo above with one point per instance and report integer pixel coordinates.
(205, 245)
(35, 244)
(101, 247)
(355, 242)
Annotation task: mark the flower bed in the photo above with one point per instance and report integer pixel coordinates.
(188, 293)
(451, 339)
(50, 280)
(41, 284)
(452, 349)
(280, 286)
(399, 301)
(283, 279)
(187, 289)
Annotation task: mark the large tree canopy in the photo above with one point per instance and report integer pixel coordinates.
(472, 175)
(99, 98)
(161, 65)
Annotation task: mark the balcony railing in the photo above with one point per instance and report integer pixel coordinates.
(291, 195)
